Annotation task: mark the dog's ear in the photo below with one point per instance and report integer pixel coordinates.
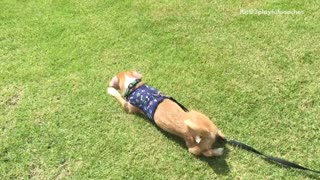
(136, 74)
(114, 82)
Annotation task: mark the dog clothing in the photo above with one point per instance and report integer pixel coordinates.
(147, 99)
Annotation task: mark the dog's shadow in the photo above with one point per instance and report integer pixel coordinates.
(217, 164)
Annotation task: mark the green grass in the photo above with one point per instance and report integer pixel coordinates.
(257, 76)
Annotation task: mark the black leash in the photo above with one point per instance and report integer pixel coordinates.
(270, 158)
(181, 106)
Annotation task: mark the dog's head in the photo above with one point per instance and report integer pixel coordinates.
(122, 80)
(203, 130)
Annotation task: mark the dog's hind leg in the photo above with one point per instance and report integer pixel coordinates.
(213, 152)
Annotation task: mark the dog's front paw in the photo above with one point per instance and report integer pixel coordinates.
(112, 91)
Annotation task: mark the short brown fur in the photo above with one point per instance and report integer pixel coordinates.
(192, 126)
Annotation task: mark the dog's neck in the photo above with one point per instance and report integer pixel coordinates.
(131, 84)
(128, 80)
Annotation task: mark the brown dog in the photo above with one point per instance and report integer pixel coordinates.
(196, 129)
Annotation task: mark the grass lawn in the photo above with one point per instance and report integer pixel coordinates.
(256, 76)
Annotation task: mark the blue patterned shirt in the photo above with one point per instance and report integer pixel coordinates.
(147, 99)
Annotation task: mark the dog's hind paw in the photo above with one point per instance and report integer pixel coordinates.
(112, 91)
(218, 151)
